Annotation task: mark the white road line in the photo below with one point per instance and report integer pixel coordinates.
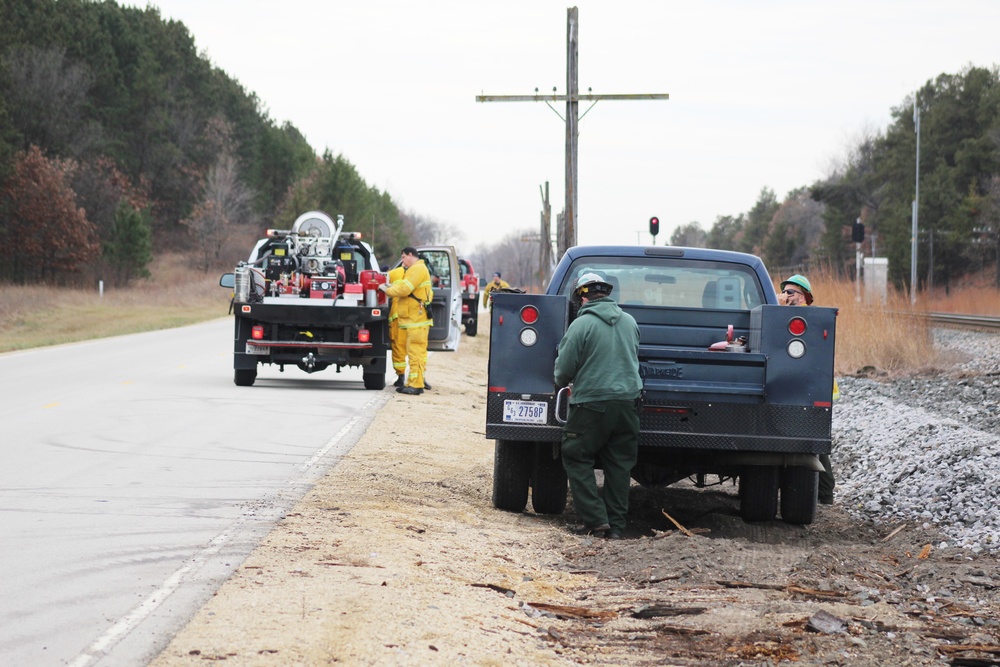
(120, 629)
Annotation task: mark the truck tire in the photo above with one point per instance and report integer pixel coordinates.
(375, 381)
(245, 377)
(549, 486)
(471, 325)
(759, 493)
(799, 488)
(512, 463)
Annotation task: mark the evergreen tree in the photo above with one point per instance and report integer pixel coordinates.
(129, 248)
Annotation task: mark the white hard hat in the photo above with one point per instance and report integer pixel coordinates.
(592, 281)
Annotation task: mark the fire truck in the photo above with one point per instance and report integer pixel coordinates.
(308, 297)
(736, 388)
(470, 297)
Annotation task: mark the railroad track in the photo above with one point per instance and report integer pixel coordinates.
(965, 321)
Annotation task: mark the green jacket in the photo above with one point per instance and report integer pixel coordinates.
(600, 354)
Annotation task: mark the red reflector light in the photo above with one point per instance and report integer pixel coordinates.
(797, 326)
(529, 314)
(364, 335)
(257, 333)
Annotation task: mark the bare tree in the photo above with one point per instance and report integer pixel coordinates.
(46, 96)
(516, 257)
(225, 201)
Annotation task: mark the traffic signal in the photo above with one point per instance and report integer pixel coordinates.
(654, 226)
(858, 231)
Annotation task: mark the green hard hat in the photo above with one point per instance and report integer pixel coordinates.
(800, 281)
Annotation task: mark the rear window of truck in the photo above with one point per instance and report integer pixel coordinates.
(672, 282)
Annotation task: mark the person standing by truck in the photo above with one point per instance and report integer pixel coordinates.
(413, 295)
(599, 357)
(797, 291)
(496, 283)
(397, 337)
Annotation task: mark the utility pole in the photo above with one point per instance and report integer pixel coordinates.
(568, 223)
(916, 208)
(545, 236)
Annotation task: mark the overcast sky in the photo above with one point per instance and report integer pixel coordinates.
(762, 94)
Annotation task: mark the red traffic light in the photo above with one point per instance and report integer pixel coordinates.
(654, 225)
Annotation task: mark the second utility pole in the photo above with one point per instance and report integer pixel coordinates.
(572, 119)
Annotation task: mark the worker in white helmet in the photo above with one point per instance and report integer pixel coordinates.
(599, 356)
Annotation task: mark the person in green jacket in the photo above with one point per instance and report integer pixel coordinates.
(599, 357)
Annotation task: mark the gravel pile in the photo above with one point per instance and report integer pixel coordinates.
(926, 450)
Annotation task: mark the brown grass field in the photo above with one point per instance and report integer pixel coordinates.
(884, 338)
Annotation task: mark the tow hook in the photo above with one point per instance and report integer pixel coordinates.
(309, 361)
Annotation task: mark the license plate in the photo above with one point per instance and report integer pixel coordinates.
(526, 412)
(258, 349)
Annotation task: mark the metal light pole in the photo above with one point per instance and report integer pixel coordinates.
(916, 205)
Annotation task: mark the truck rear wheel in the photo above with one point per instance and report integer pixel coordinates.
(799, 487)
(512, 463)
(245, 377)
(548, 481)
(471, 325)
(375, 381)
(759, 493)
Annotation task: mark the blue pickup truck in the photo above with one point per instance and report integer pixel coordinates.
(734, 385)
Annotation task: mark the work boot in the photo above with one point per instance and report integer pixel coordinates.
(400, 381)
(595, 531)
(614, 534)
(426, 384)
(412, 391)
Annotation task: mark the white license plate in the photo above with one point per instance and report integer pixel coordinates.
(526, 412)
(258, 349)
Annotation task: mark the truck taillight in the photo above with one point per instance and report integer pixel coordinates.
(364, 335)
(797, 326)
(257, 333)
(529, 314)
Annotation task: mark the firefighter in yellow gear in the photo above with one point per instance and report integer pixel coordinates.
(496, 283)
(412, 296)
(397, 337)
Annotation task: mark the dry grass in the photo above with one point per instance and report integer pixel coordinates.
(892, 337)
(886, 338)
(36, 316)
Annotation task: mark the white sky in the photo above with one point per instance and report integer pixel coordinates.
(762, 94)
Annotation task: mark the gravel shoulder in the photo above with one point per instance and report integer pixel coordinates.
(397, 557)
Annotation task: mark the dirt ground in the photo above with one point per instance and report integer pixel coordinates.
(397, 557)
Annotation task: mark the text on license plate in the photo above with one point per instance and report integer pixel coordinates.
(526, 412)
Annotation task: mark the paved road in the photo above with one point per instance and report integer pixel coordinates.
(135, 477)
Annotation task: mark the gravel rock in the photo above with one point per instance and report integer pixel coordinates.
(926, 449)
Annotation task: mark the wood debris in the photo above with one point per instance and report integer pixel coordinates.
(657, 610)
(567, 612)
(679, 526)
(748, 584)
(503, 590)
(893, 533)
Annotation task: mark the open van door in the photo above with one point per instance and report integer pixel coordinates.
(446, 309)
(446, 278)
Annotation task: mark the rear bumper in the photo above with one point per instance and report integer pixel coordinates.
(693, 426)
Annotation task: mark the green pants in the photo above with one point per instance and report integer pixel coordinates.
(601, 434)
